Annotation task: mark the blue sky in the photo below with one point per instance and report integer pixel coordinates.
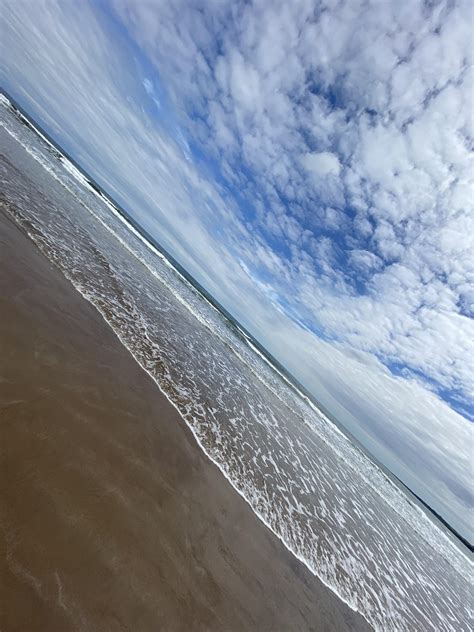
(310, 163)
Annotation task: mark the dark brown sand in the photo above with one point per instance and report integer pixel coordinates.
(113, 517)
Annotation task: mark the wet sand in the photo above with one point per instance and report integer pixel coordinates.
(113, 518)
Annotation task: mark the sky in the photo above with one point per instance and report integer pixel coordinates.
(310, 163)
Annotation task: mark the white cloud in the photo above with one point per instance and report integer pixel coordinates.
(321, 164)
(364, 260)
(148, 85)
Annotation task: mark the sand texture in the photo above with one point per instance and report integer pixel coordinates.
(113, 518)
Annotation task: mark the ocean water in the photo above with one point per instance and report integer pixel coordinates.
(321, 495)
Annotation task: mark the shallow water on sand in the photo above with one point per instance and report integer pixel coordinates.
(331, 506)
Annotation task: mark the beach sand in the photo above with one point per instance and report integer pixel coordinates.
(113, 517)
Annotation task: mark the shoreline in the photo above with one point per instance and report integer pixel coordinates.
(299, 599)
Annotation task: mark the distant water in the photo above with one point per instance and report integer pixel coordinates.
(329, 504)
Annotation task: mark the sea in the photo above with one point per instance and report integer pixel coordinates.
(330, 504)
